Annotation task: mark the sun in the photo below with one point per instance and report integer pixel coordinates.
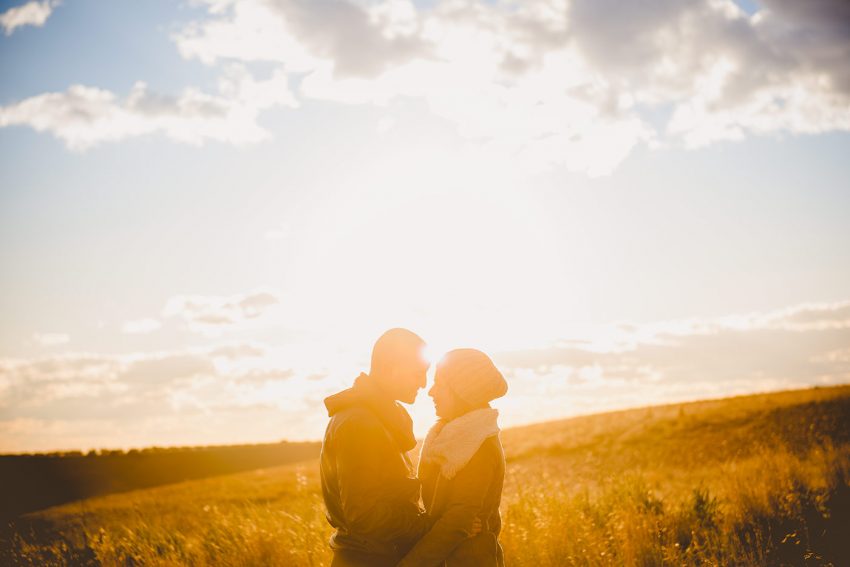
(433, 353)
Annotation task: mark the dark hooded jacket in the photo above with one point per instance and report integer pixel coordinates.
(368, 483)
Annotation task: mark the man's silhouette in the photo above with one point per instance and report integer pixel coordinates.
(368, 483)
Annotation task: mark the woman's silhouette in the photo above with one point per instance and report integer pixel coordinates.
(462, 466)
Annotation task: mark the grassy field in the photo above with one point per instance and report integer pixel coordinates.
(753, 480)
(35, 482)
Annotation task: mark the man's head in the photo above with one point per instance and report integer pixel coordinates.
(399, 364)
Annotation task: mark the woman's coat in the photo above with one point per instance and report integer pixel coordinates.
(462, 470)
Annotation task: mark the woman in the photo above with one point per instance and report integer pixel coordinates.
(462, 466)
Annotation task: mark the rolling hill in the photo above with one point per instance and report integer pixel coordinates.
(750, 480)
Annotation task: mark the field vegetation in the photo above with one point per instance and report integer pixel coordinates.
(753, 480)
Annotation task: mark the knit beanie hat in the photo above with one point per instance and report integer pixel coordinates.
(472, 376)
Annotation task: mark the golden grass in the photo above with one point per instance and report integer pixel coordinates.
(753, 480)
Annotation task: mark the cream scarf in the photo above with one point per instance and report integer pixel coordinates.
(451, 445)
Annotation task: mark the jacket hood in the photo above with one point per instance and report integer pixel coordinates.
(392, 415)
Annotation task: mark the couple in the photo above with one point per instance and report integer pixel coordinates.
(371, 492)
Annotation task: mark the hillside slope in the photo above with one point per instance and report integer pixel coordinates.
(33, 482)
(752, 480)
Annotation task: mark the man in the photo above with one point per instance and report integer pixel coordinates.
(368, 482)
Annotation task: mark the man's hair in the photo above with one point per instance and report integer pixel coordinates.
(396, 346)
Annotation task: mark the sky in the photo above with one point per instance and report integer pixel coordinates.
(210, 209)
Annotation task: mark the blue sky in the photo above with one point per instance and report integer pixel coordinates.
(227, 239)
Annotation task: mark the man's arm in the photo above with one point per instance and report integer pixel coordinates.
(469, 489)
(378, 499)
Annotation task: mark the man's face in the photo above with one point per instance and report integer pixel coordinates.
(409, 378)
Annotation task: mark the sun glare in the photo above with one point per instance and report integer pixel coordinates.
(443, 248)
(433, 354)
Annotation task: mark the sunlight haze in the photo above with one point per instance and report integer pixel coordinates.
(210, 209)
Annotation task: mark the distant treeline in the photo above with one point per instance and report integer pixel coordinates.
(33, 482)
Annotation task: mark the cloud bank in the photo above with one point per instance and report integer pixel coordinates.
(83, 117)
(570, 83)
(577, 83)
(630, 365)
(249, 391)
(211, 313)
(159, 397)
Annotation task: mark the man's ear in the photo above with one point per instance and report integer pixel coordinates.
(390, 380)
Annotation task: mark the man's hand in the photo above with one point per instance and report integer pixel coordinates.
(476, 527)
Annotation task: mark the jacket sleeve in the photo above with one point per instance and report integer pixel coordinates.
(379, 500)
(468, 491)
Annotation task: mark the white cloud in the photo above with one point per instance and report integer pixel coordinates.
(361, 39)
(141, 382)
(30, 14)
(141, 326)
(801, 346)
(556, 82)
(51, 339)
(166, 367)
(797, 345)
(229, 391)
(84, 117)
(537, 83)
(211, 313)
(235, 351)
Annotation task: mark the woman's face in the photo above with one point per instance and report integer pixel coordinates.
(446, 403)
